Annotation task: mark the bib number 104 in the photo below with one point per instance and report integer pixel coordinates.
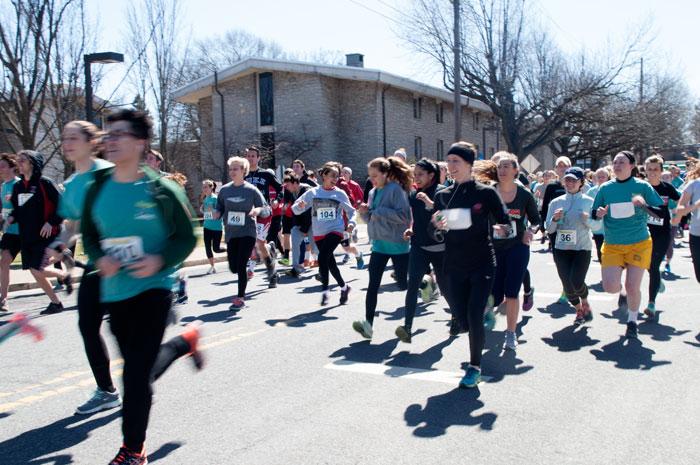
(325, 214)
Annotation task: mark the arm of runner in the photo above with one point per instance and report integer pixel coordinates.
(348, 209)
(400, 210)
(303, 203)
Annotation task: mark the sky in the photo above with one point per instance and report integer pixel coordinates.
(372, 27)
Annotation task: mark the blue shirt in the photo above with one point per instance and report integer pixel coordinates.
(7, 205)
(209, 205)
(70, 206)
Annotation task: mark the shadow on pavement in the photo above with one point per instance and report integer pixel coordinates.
(628, 354)
(163, 451)
(364, 351)
(497, 363)
(424, 360)
(557, 310)
(303, 319)
(400, 313)
(454, 408)
(694, 344)
(60, 435)
(223, 316)
(672, 276)
(619, 314)
(658, 331)
(227, 300)
(570, 339)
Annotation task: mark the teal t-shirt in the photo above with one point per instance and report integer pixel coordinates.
(387, 247)
(209, 206)
(7, 205)
(624, 224)
(70, 206)
(130, 224)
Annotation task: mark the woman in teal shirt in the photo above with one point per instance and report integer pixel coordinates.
(213, 228)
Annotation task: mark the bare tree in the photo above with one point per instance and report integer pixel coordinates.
(695, 124)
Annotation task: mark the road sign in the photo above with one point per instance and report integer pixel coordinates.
(530, 163)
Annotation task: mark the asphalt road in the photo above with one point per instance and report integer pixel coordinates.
(288, 382)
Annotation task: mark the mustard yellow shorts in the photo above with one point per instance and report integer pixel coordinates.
(637, 254)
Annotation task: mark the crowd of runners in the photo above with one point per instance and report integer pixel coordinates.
(461, 228)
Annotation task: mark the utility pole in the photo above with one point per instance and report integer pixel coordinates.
(457, 108)
(641, 80)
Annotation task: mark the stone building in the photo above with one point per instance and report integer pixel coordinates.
(325, 112)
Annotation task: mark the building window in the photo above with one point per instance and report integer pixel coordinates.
(492, 150)
(439, 113)
(417, 107)
(266, 101)
(439, 153)
(267, 144)
(475, 120)
(418, 148)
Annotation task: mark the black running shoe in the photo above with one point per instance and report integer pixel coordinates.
(68, 282)
(273, 281)
(344, 295)
(52, 308)
(631, 332)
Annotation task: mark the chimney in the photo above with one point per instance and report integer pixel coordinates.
(355, 59)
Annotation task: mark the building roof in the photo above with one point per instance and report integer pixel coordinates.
(203, 87)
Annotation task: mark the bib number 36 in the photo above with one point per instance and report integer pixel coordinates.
(566, 237)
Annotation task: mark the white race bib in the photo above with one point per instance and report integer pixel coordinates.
(566, 237)
(125, 249)
(236, 218)
(655, 221)
(458, 218)
(622, 209)
(6, 213)
(513, 232)
(325, 214)
(208, 215)
(23, 198)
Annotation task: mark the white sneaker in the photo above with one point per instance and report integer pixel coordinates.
(364, 328)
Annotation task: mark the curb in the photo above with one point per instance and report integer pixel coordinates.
(76, 279)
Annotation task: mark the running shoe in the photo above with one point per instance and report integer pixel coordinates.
(251, 274)
(4, 307)
(580, 317)
(622, 302)
(650, 311)
(662, 286)
(191, 335)
(528, 300)
(325, 297)
(59, 285)
(52, 308)
(126, 456)
(563, 299)
(510, 342)
(426, 290)
(285, 261)
(272, 283)
(292, 272)
(317, 277)
(272, 249)
(360, 261)
(668, 268)
(489, 320)
(211, 270)
(631, 332)
(100, 400)
(345, 260)
(404, 334)
(237, 303)
(344, 294)
(314, 264)
(587, 312)
(471, 379)
(363, 327)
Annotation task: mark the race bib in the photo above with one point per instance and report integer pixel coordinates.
(125, 249)
(622, 209)
(566, 236)
(325, 214)
(513, 232)
(23, 198)
(236, 218)
(6, 213)
(209, 215)
(655, 221)
(458, 218)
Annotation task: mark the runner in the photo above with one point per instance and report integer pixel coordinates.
(263, 180)
(512, 249)
(34, 201)
(463, 220)
(355, 201)
(388, 216)
(240, 204)
(602, 175)
(689, 204)
(213, 228)
(300, 170)
(554, 189)
(327, 204)
(425, 250)
(300, 224)
(623, 205)
(10, 243)
(570, 221)
(659, 228)
(137, 229)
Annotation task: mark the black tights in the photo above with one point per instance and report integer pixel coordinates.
(326, 260)
(658, 252)
(468, 295)
(212, 239)
(377, 265)
(238, 251)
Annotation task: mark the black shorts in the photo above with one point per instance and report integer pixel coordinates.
(34, 256)
(287, 224)
(11, 243)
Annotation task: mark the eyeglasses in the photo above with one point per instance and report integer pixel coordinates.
(117, 134)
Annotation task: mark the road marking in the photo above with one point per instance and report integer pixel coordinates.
(436, 376)
(602, 298)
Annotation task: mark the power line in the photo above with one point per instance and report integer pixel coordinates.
(362, 5)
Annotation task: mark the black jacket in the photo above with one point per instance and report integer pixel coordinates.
(421, 218)
(39, 198)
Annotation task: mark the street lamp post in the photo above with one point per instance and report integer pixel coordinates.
(102, 57)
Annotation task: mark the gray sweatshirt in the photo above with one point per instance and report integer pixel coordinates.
(234, 204)
(573, 233)
(327, 207)
(388, 220)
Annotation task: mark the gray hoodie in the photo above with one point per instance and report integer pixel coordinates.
(388, 220)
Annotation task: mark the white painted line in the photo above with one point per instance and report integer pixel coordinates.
(435, 376)
(602, 298)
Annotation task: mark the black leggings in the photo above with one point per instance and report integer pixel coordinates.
(598, 239)
(377, 265)
(572, 266)
(326, 260)
(273, 234)
(695, 254)
(238, 251)
(658, 252)
(419, 262)
(212, 238)
(139, 323)
(468, 295)
(527, 282)
(90, 314)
